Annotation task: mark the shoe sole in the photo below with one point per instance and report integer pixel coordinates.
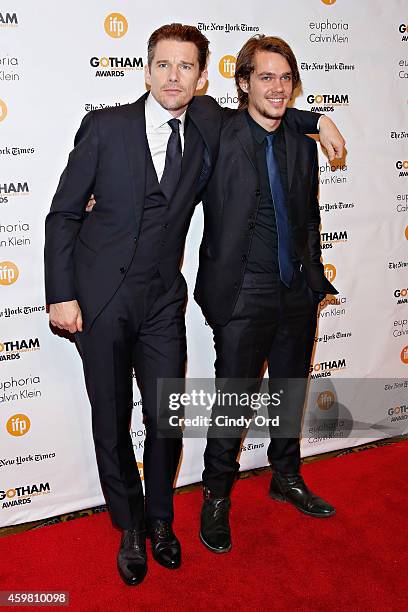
(215, 550)
(281, 499)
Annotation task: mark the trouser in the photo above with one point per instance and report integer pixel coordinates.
(274, 323)
(141, 329)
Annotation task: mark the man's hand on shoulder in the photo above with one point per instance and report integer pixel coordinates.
(66, 315)
(330, 138)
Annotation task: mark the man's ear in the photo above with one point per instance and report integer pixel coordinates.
(244, 85)
(202, 80)
(147, 74)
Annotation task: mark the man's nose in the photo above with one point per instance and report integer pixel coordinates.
(173, 74)
(278, 85)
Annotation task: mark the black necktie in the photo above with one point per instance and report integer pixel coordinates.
(281, 214)
(172, 166)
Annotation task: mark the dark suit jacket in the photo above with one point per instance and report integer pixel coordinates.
(87, 255)
(231, 200)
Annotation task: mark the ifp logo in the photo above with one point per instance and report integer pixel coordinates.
(3, 110)
(325, 400)
(18, 425)
(140, 468)
(116, 25)
(330, 272)
(227, 65)
(9, 273)
(329, 2)
(404, 355)
(406, 233)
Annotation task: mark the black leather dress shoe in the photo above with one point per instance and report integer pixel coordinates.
(292, 488)
(132, 560)
(165, 546)
(215, 532)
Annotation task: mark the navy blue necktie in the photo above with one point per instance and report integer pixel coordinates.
(281, 214)
(172, 166)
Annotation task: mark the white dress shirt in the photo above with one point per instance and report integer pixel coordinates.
(158, 132)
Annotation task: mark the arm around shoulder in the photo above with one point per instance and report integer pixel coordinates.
(301, 121)
(306, 122)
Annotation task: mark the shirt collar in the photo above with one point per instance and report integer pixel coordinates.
(259, 133)
(157, 116)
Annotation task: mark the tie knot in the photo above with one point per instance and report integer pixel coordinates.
(174, 124)
(269, 138)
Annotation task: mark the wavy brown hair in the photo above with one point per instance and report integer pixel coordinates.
(182, 33)
(246, 61)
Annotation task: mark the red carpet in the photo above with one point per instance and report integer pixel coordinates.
(281, 559)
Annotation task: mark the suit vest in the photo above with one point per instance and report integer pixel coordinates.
(165, 224)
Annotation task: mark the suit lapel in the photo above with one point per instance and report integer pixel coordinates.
(204, 122)
(136, 145)
(134, 134)
(291, 153)
(192, 149)
(244, 136)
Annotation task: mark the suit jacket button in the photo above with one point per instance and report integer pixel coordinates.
(257, 192)
(135, 239)
(122, 270)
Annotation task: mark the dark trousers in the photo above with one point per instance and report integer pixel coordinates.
(141, 329)
(274, 323)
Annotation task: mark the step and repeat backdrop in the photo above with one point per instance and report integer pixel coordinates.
(58, 60)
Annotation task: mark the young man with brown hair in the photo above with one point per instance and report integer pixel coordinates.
(260, 276)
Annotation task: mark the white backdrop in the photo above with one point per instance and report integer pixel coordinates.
(54, 67)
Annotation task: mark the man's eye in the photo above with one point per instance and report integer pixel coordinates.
(163, 65)
(287, 77)
(186, 67)
(266, 78)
